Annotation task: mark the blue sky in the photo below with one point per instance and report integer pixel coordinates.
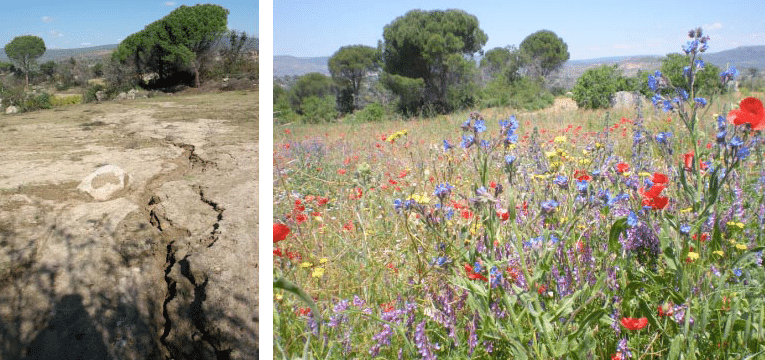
(75, 24)
(591, 29)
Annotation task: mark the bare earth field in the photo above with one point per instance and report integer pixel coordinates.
(166, 268)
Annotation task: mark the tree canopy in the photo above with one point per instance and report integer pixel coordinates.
(350, 64)
(706, 81)
(312, 84)
(176, 42)
(547, 52)
(432, 46)
(24, 51)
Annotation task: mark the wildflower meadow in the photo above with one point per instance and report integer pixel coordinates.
(578, 234)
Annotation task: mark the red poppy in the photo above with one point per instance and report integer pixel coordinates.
(666, 309)
(348, 226)
(503, 214)
(688, 160)
(617, 356)
(280, 232)
(654, 191)
(278, 252)
(300, 218)
(656, 203)
(634, 324)
(303, 311)
(467, 214)
(541, 289)
(622, 167)
(322, 201)
(341, 171)
(750, 112)
(474, 276)
(659, 178)
(492, 185)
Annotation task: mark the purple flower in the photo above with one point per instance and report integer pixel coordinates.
(549, 206)
(423, 343)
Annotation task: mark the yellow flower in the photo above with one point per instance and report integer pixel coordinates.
(626, 173)
(686, 210)
(692, 255)
(279, 297)
(306, 264)
(643, 173)
(474, 229)
(718, 252)
(550, 154)
(585, 152)
(318, 272)
(741, 247)
(323, 260)
(512, 146)
(422, 199)
(598, 145)
(396, 135)
(560, 139)
(561, 153)
(541, 177)
(736, 224)
(584, 161)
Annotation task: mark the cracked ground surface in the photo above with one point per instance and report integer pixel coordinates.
(165, 270)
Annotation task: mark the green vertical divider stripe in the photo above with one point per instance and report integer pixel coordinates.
(265, 172)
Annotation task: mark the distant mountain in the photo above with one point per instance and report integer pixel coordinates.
(290, 65)
(742, 57)
(102, 50)
(62, 54)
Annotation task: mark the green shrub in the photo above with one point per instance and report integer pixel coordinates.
(37, 102)
(319, 109)
(371, 113)
(597, 86)
(90, 93)
(523, 93)
(66, 100)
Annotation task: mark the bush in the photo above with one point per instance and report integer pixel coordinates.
(37, 102)
(316, 109)
(371, 113)
(66, 100)
(523, 93)
(595, 88)
(90, 93)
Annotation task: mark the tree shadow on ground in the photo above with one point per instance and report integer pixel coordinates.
(56, 312)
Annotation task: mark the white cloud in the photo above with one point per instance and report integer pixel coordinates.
(716, 25)
(170, 3)
(85, 44)
(47, 19)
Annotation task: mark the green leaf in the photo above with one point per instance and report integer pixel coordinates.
(618, 227)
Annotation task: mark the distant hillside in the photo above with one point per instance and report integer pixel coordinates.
(290, 65)
(102, 50)
(742, 57)
(62, 54)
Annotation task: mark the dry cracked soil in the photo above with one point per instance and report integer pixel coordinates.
(166, 268)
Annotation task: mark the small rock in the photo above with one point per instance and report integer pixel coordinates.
(103, 183)
(131, 94)
(100, 96)
(122, 96)
(11, 110)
